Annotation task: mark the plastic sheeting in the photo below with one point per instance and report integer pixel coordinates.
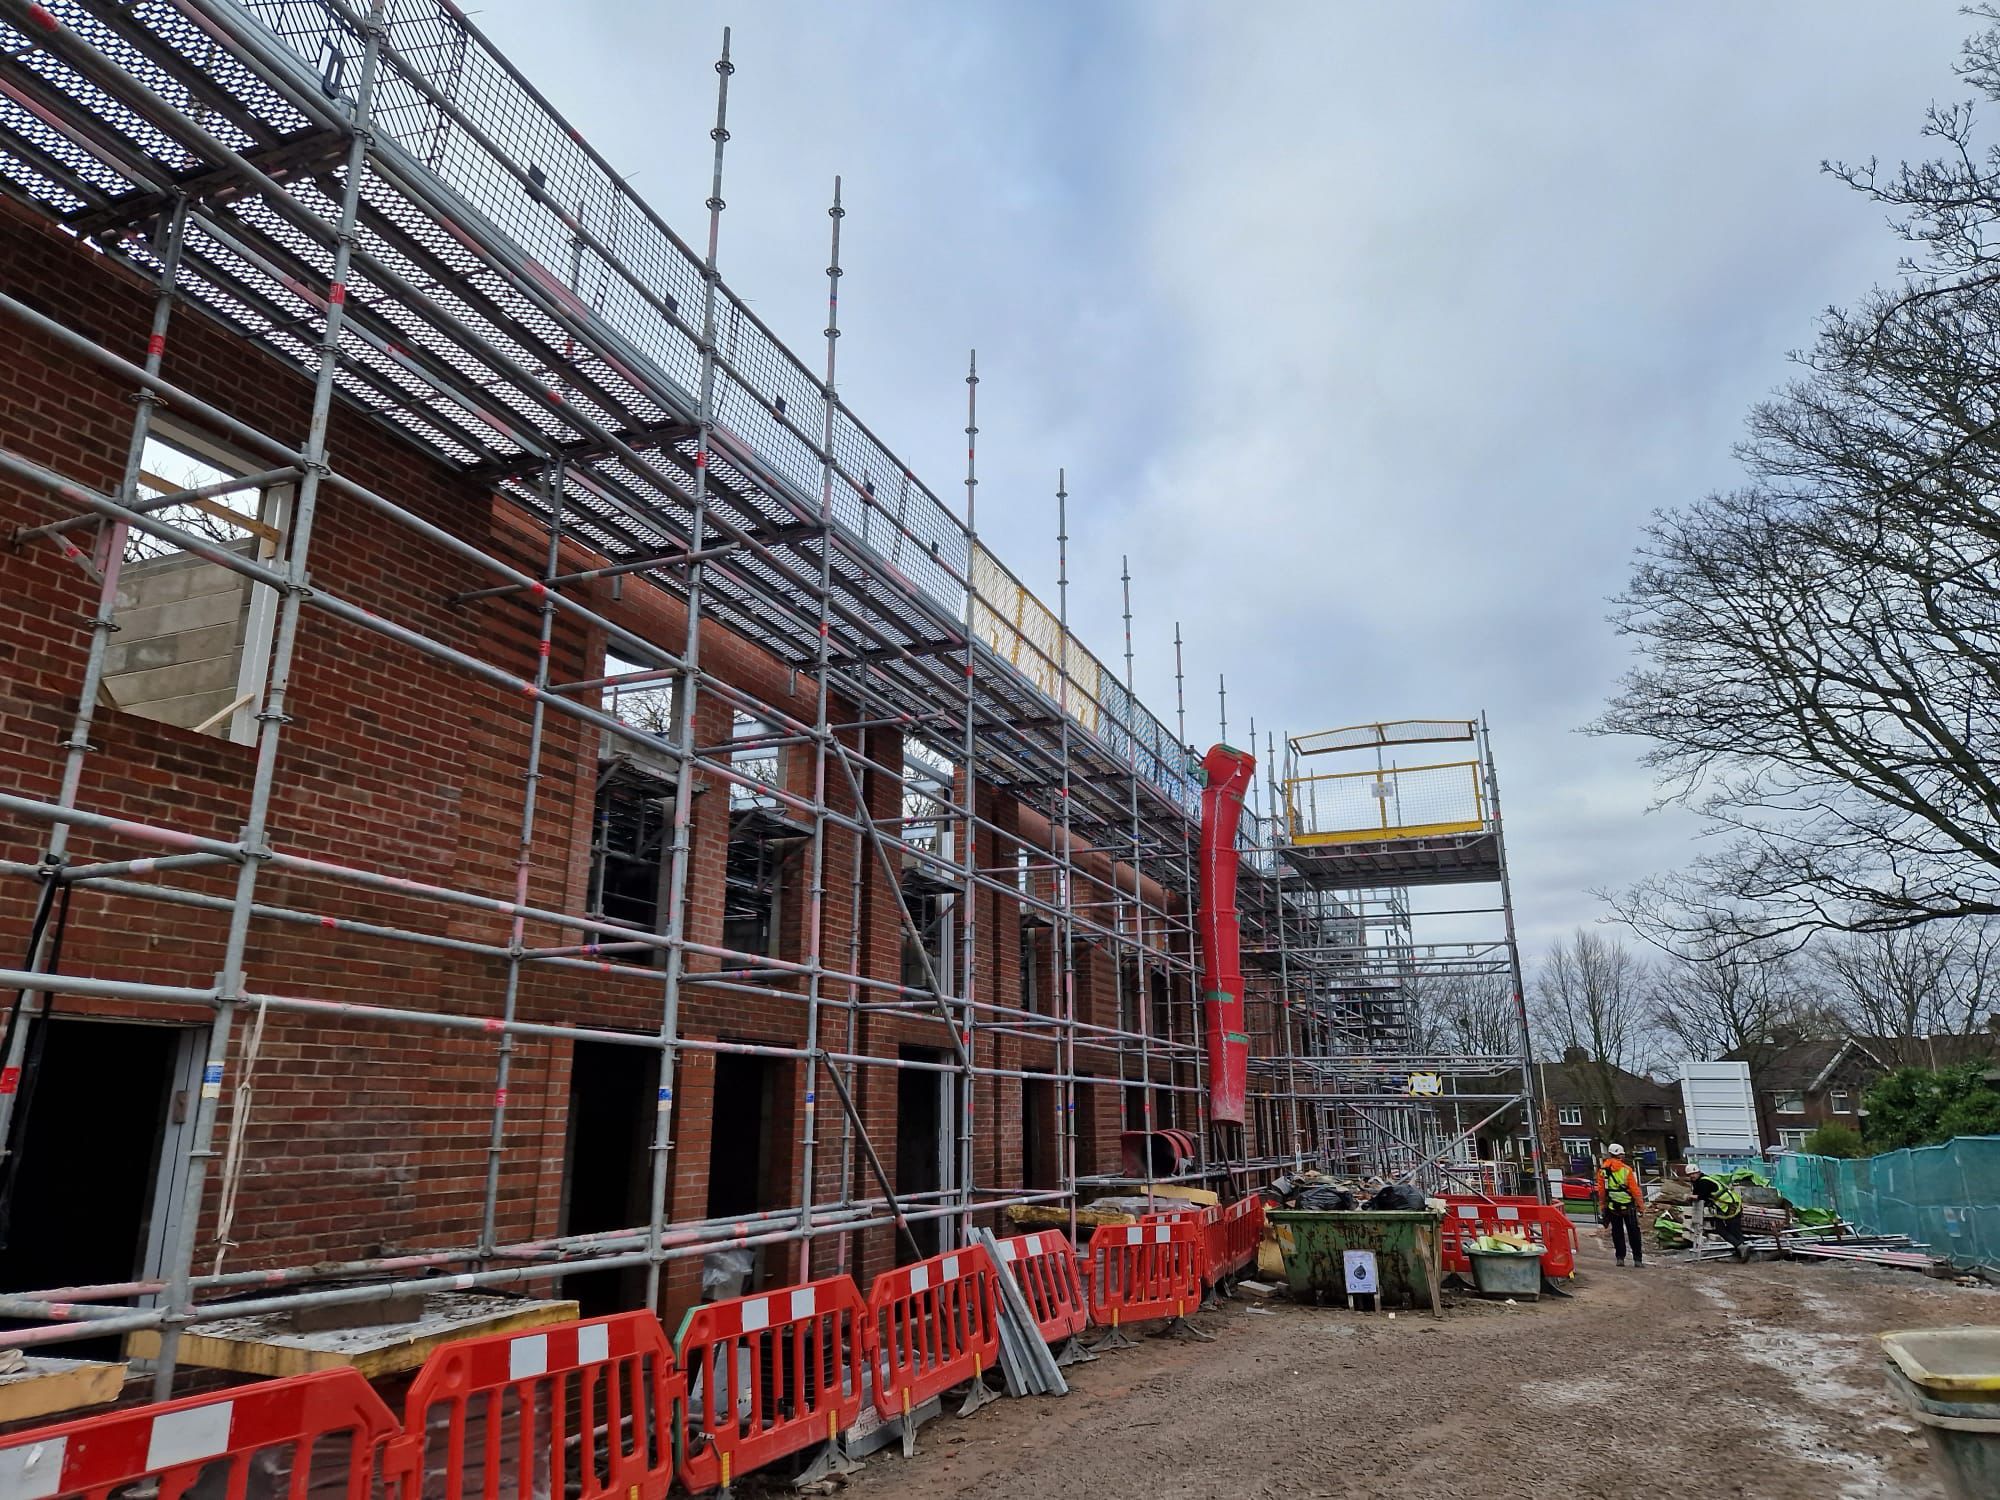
(1946, 1197)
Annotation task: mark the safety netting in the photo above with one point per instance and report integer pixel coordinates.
(1945, 1197)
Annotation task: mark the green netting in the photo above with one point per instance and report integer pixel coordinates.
(1946, 1197)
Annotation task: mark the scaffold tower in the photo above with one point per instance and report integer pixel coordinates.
(1366, 823)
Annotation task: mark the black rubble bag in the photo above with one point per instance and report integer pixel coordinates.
(1397, 1197)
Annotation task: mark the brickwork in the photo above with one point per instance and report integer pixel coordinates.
(365, 1138)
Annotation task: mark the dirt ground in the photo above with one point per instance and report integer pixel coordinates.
(1760, 1380)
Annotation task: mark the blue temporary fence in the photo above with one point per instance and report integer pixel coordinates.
(1946, 1197)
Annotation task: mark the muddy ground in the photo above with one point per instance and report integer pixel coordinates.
(1713, 1379)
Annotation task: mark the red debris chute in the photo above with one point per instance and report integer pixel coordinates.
(1229, 773)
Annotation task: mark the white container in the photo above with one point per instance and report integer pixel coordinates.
(1721, 1109)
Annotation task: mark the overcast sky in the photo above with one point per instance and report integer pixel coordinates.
(1371, 334)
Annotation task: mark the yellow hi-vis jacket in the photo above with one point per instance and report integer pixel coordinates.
(1618, 1185)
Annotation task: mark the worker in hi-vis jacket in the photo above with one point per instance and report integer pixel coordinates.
(1618, 1199)
(1722, 1209)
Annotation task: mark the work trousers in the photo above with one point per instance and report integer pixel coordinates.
(1730, 1229)
(1624, 1224)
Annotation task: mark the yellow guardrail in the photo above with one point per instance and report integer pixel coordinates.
(1399, 802)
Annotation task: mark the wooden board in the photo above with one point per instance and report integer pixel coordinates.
(1050, 1216)
(1056, 1216)
(1200, 1197)
(41, 1386)
(269, 1345)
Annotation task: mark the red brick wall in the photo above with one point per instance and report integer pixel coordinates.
(365, 1138)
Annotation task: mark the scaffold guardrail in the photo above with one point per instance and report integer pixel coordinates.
(1396, 802)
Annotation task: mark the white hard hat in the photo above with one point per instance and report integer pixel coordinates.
(1614, 1149)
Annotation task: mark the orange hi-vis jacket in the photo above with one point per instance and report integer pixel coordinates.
(1615, 1175)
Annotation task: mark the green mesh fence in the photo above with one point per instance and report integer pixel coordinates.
(1946, 1197)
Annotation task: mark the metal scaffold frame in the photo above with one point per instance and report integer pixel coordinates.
(371, 194)
(1338, 925)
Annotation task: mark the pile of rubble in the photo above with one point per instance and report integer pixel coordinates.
(1773, 1226)
(1320, 1193)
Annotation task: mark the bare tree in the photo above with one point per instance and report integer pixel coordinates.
(1820, 650)
(1746, 1000)
(168, 470)
(1481, 1019)
(1589, 997)
(1463, 1015)
(647, 705)
(1901, 989)
(1721, 996)
(1423, 1001)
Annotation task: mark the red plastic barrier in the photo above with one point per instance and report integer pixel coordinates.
(1211, 1236)
(1228, 1235)
(770, 1375)
(936, 1324)
(1547, 1224)
(1045, 1267)
(587, 1410)
(1140, 1271)
(1214, 1247)
(278, 1426)
(1238, 1232)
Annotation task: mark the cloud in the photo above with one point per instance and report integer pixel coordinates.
(1370, 334)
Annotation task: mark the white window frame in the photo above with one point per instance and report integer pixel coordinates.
(1792, 1140)
(1576, 1145)
(1842, 1102)
(1569, 1114)
(274, 509)
(1791, 1102)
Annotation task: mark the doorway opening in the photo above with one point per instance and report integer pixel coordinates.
(92, 1190)
(1085, 1096)
(742, 1160)
(926, 1136)
(1038, 1134)
(607, 1176)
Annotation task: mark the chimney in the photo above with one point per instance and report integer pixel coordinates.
(1575, 1054)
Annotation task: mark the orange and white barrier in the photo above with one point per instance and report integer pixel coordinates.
(304, 1425)
(1142, 1271)
(585, 1410)
(935, 1324)
(1234, 1237)
(1549, 1225)
(1045, 1267)
(770, 1376)
(607, 1410)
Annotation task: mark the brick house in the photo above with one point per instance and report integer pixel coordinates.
(343, 1134)
(1804, 1084)
(1594, 1105)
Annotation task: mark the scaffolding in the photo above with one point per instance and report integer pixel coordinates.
(1342, 850)
(371, 194)
(374, 196)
